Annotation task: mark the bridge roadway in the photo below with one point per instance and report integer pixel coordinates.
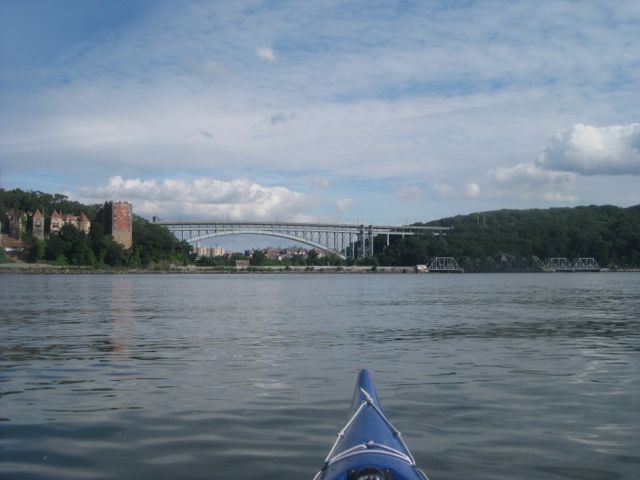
(338, 238)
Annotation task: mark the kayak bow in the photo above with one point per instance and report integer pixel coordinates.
(369, 447)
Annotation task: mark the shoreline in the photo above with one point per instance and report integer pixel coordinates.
(43, 268)
(29, 268)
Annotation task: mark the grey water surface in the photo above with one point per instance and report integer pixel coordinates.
(249, 376)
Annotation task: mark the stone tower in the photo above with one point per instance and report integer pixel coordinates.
(118, 218)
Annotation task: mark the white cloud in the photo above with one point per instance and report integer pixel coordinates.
(527, 181)
(440, 93)
(319, 182)
(204, 198)
(344, 204)
(472, 190)
(410, 192)
(589, 150)
(443, 189)
(531, 175)
(559, 197)
(456, 192)
(266, 53)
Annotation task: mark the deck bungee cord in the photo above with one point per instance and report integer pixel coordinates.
(369, 447)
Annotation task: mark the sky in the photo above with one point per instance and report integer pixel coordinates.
(384, 112)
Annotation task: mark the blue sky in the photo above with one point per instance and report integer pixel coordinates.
(382, 112)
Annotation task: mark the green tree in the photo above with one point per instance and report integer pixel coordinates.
(100, 243)
(258, 258)
(312, 257)
(54, 248)
(115, 255)
(154, 243)
(37, 251)
(237, 256)
(76, 246)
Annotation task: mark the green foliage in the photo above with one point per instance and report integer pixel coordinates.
(152, 244)
(115, 255)
(70, 247)
(212, 262)
(258, 258)
(298, 260)
(61, 260)
(29, 201)
(237, 256)
(103, 247)
(55, 248)
(37, 250)
(77, 249)
(507, 240)
(312, 257)
(3, 256)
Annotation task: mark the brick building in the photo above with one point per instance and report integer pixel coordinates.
(118, 218)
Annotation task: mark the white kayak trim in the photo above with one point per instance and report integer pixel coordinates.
(369, 447)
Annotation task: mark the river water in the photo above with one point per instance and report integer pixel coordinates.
(250, 376)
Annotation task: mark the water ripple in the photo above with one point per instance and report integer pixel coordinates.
(251, 376)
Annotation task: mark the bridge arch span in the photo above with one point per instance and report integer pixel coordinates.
(206, 236)
(356, 240)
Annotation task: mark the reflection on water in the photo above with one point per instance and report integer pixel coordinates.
(120, 290)
(173, 376)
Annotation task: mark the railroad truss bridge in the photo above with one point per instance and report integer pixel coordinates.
(344, 240)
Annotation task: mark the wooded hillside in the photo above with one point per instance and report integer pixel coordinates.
(152, 244)
(508, 239)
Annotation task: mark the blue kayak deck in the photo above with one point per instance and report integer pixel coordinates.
(369, 446)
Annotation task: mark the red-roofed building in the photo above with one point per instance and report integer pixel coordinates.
(84, 224)
(36, 224)
(57, 222)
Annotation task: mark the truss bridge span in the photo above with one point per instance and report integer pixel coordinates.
(355, 241)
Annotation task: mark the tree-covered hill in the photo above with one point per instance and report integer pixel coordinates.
(29, 201)
(508, 239)
(152, 244)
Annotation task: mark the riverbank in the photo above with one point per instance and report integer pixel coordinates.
(44, 268)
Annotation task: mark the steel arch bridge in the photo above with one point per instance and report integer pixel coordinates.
(339, 238)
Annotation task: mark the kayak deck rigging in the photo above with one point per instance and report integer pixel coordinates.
(369, 447)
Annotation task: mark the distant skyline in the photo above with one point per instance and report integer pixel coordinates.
(377, 112)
